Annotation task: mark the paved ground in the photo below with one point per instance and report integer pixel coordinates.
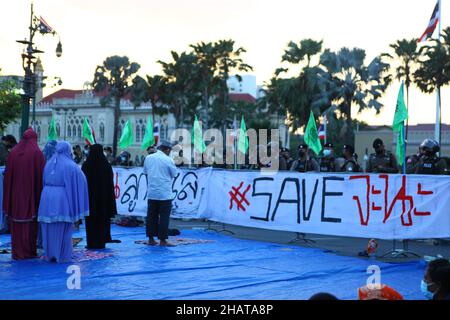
(341, 245)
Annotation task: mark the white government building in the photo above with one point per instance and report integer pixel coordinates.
(70, 107)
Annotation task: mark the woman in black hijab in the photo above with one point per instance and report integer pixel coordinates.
(102, 202)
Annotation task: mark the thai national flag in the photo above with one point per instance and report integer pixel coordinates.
(432, 24)
(321, 132)
(156, 132)
(44, 26)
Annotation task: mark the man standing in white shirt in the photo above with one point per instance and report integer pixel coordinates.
(160, 170)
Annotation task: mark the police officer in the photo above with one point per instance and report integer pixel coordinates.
(304, 162)
(412, 161)
(327, 162)
(351, 161)
(381, 161)
(285, 160)
(429, 162)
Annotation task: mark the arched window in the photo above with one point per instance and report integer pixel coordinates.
(79, 131)
(74, 132)
(38, 129)
(162, 131)
(143, 128)
(138, 133)
(58, 130)
(69, 131)
(102, 131)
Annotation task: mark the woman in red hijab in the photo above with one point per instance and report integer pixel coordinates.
(21, 194)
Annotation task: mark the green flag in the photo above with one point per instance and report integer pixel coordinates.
(87, 132)
(243, 138)
(401, 114)
(311, 136)
(52, 131)
(197, 137)
(149, 138)
(126, 139)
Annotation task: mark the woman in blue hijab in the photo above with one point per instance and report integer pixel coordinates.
(64, 200)
(49, 149)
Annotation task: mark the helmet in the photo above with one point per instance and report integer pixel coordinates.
(429, 147)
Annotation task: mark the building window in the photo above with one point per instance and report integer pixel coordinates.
(69, 131)
(162, 129)
(38, 129)
(138, 133)
(58, 130)
(143, 131)
(79, 131)
(102, 132)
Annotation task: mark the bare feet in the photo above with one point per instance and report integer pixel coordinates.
(152, 242)
(164, 243)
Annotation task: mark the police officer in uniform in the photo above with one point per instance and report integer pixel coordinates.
(304, 163)
(413, 160)
(429, 162)
(351, 161)
(381, 161)
(327, 162)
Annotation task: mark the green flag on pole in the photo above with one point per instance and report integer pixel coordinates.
(197, 137)
(87, 132)
(52, 131)
(311, 135)
(401, 114)
(243, 138)
(149, 138)
(126, 139)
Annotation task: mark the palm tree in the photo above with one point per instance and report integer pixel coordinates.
(298, 95)
(348, 81)
(116, 75)
(434, 66)
(405, 51)
(179, 85)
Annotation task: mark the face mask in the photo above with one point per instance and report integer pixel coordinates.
(427, 293)
(326, 153)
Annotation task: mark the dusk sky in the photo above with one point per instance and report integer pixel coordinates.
(146, 31)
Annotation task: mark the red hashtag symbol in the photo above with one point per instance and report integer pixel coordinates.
(236, 192)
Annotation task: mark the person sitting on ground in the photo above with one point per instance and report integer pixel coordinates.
(378, 292)
(436, 282)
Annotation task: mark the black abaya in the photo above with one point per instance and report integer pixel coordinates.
(102, 202)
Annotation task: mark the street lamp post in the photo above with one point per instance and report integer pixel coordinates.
(28, 63)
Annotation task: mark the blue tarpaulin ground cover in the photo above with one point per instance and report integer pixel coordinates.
(227, 268)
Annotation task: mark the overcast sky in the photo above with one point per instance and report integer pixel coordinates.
(147, 30)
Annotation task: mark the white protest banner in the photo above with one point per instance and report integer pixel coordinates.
(130, 187)
(366, 205)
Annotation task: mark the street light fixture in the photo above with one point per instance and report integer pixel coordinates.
(29, 62)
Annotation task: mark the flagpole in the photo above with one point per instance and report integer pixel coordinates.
(405, 130)
(437, 128)
(235, 142)
(325, 127)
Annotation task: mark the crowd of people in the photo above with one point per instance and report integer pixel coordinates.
(426, 161)
(47, 193)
